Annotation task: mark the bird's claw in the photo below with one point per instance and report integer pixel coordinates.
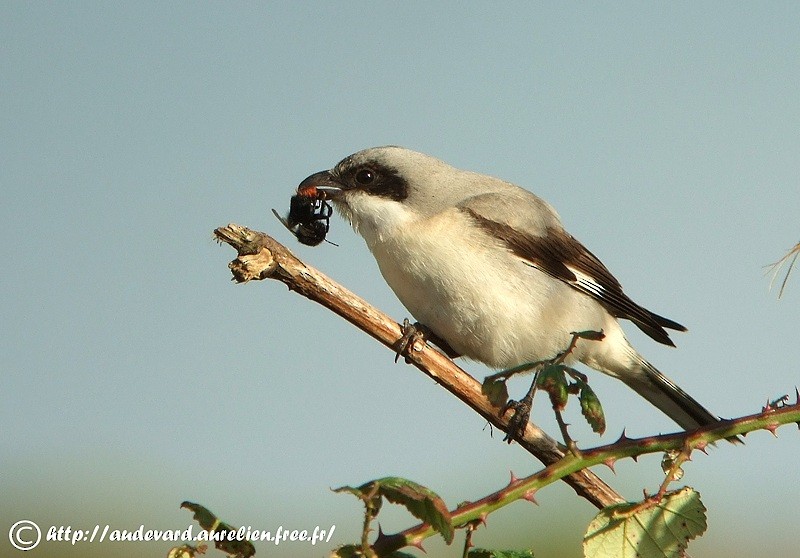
(412, 334)
(519, 419)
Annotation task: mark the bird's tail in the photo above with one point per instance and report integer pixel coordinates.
(668, 397)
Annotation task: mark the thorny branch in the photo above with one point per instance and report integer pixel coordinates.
(680, 444)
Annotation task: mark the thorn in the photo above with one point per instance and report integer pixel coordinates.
(772, 428)
(797, 396)
(381, 536)
(610, 464)
(622, 437)
(529, 496)
(471, 527)
(778, 403)
(482, 518)
(702, 445)
(635, 458)
(417, 543)
(513, 478)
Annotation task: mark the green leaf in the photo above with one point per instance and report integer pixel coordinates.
(592, 409)
(211, 523)
(495, 390)
(553, 380)
(660, 531)
(421, 502)
(368, 493)
(484, 553)
(205, 518)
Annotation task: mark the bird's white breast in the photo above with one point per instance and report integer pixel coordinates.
(471, 291)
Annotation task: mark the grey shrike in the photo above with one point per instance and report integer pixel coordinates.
(489, 268)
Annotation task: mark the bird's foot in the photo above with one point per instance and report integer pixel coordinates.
(521, 414)
(417, 332)
(412, 334)
(519, 419)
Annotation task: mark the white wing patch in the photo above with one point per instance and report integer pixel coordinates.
(588, 284)
(582, 281)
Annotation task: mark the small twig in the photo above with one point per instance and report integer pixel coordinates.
(571, 445)
(528, 366)
(562, 356)
(514, 370)
(369, 515)
(790, 257)
(468, 539)
(675, 470)
(673, 473)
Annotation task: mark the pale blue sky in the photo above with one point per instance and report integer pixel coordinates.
(136, 376)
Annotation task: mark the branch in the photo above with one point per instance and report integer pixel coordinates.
(769, 419)
(261, 257)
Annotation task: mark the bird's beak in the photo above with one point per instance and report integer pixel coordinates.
(323, 182)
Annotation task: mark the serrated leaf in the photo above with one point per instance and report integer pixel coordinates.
(203, 516)
(592, 409)
(661, 531)
(421, 502)
(366, 493)
(355, 491)
(495, 390)
(484, 553)
(210, 522)
(553, 380)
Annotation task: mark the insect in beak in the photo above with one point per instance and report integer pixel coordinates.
(309, 214)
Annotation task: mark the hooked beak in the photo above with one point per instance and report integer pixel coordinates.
(323, 182)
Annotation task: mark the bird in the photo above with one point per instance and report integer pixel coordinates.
(488, 268)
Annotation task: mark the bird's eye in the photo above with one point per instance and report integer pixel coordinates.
(365, 176)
